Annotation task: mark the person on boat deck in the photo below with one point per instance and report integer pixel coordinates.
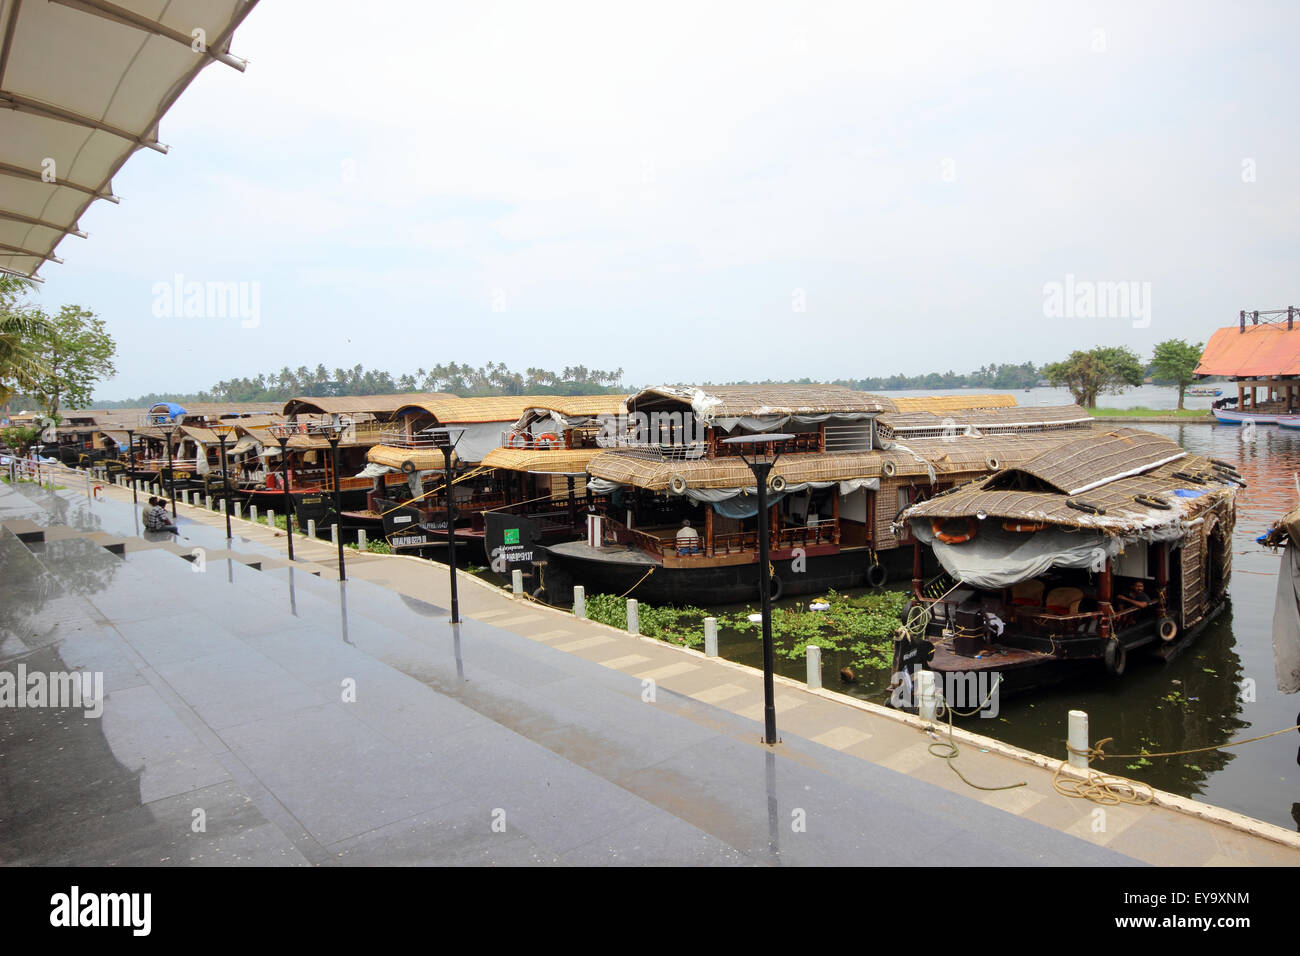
(688, 539)
(1137, 595)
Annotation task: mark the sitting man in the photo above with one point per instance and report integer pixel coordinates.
(688, 539)
(1137, 595)
(156, 517)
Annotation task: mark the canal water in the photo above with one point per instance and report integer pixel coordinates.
(1221, 688)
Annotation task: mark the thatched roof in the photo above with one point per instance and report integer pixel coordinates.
(575, 406)
(561, 461)
(989, 421)
(470, 411)
(1025, 493)
(353, 404)
(757, 401)
(950, 403)
(1092, 460)
(424, 459)
(958, 457)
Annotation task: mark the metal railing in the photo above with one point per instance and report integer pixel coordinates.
(655, 451)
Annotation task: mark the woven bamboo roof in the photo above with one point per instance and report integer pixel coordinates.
(951, 403)
(352, 404)
(216, 410)
(961, 456)
(575, 406)
(986, 420)
(424, 459)
(1097, 458)
(1117, 498)
(561, 461)
(758, 401)
(470, 411)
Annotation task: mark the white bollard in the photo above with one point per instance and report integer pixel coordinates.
(926, 699)
(361, 539)
(710, 637)
(252, 513)
(270, 518)
(517, 582)
(814, 667)
(207, 502)
(334, 533)
(1078, 739)
(311, 527)
(579, 601)
(239, 510)
(633, 617)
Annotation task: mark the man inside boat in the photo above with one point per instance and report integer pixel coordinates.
(1137, 595)
(688, 539)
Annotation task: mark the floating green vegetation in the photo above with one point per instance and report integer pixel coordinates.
(863, 626)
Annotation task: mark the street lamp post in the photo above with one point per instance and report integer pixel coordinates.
(171, 471)
(223, 432)
(283, 439)
(334, 434)
(130, 464)
(764, 451)
(443, 439)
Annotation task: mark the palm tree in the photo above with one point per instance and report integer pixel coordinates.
(20, 365)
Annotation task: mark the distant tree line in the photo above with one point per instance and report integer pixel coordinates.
(465, 380)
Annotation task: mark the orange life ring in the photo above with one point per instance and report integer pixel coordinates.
(1023, 525)
(936, 526)
(550, 438)
(522, 443)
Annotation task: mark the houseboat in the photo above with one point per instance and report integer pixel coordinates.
(413, 507)
(1109, 543)
(680, 523)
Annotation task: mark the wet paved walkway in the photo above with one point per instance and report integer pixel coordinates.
(278, 717)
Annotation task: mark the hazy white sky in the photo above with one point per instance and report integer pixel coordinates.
(663, 187)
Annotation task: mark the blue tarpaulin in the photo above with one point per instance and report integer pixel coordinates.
(743, 506)
(165, 411)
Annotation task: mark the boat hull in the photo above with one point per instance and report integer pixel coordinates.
(636, 574)
(1226, 417)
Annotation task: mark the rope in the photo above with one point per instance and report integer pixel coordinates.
(638, 584)
(953, 752)
(433, 491)
(1096, 751)
(1112, 791)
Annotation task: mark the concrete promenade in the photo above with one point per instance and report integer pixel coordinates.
(311, 722)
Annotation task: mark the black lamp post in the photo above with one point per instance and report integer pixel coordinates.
(223, 432)
(171, 470)
(444, 439)
(334, 434)
(130, 464)
(764, 451)
(283, 439)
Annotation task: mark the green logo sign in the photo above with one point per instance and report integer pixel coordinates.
(512, 536)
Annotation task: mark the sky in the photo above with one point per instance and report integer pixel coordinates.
(703, 191)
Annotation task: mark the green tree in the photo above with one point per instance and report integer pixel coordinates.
(1175, 361)
(1101, 370)
(20, 358)
(77, 352)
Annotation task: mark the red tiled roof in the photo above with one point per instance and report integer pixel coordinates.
(1260, 350)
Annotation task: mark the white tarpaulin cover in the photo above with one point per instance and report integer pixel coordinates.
(1286, 622)
(995, 558)
(83, 85)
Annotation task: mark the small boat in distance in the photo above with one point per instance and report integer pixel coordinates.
(1204, 391)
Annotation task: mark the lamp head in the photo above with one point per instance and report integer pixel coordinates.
(758, 449)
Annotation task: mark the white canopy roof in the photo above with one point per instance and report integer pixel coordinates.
(83, 85)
